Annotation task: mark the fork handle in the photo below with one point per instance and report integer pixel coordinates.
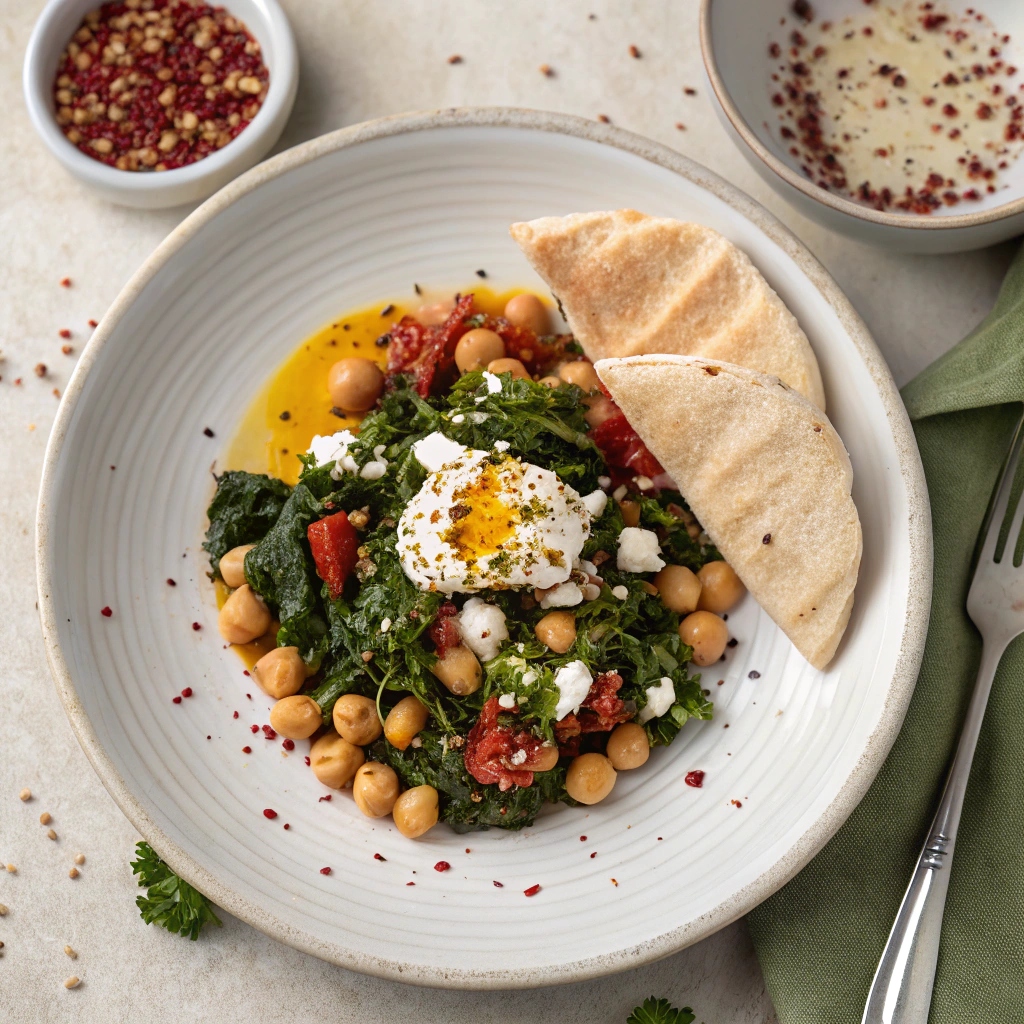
(901, 992)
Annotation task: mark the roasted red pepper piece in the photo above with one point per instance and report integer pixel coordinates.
(334, 543)
(492, 751)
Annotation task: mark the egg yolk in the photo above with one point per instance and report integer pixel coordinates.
(482, 523)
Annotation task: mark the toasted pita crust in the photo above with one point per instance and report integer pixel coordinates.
(630, 284)
(754, 459)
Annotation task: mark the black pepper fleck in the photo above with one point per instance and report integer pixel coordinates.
(753, 674)
(208, 432)
(286, 415)
(389, 308)
(766, 539)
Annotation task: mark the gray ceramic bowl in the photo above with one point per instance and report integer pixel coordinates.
(734, 37)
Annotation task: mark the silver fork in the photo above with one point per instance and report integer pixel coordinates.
(901, 992)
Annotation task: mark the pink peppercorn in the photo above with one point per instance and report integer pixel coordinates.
(532, 891)
(441, 865)
(176, 700)
(325, 871)
(106, 612)
(288, 744)
(270, 813)
(187, 692)
(246, 750)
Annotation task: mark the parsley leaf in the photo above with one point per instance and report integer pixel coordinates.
(170, 901)
(659, 1011)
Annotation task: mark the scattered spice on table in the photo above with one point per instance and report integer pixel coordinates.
(66, 349)
(325, 871)
(25, 794)
(152, 85)
(694, 778)
(441, 865)
(634, 52)
(547, 70)
(45, 818)
(270, 813)
(455, 58)
(532, 891)
(64, 332)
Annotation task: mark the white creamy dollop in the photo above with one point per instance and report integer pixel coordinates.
(573, 682)
(639, 551)
(659, 699)
(483, 628)
(486, 520)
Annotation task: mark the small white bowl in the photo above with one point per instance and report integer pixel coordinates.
(734, 38)
(268, 24)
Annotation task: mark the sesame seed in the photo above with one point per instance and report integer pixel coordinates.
(25, 794)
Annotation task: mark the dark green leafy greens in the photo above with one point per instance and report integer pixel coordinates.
(244, 508)
(660, 1011)
(169, 901)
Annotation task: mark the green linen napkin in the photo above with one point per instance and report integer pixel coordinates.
(819, 938)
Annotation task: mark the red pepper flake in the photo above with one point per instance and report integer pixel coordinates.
(532, 891)
(680, 126)
(774, 50)
(171, 582)
(175, 700)
(288, 744)
(270, 813)
(455, 58)
(690, 91)
(235, 715)
(254, 728)
(736, 803)
(593, 855)
(410, 883)
(498, 885)
(268, 733)
(187, 692)
(634, 52)
(65, 282)
(323, 799)
(64, 333)
(197, 626)
(377, 856)
(604, 119)
(287, 826)
(441, 865)
(246, 750)
(94, 323)
(325, 871)
(106, 612)
(306, 759)
(547, 70)
(695, 779)
(66, 350)
(583, 839)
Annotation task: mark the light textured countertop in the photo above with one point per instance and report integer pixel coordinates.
(358, 61)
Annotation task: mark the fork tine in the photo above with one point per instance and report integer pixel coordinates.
(992, 529)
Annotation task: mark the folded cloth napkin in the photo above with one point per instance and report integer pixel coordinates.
(819, 938)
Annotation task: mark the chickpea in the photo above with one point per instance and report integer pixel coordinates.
(477, 348)
(355, 383)
(280, 672)
(513, 366)
(581, 373)
(405, 720)
(527, 310)
(355, 718)
(557, 630)
(630, 512)
(628, 746)
(434, 315)
(551, 382)
(590, 778)
(679, 589)
(232, 565)
(296, 717)
(707, 634)
(375, 789)
(721, 587)
(244, 616)
(459, 670)
(599, 409)
(544, 760)
(334, 760)
(415, 811)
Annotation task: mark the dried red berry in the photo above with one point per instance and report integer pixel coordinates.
(235, 715)
(441, 865)
(197, 626)
(288, 744)
(106, 612)
(268, 733)
(270, 813)
(176, 700)
(187, 692)
(695, 779)
(246, 750)
(325, 871)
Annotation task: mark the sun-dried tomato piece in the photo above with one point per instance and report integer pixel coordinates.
(444, 631)
(334, 542)
(537, 353)
(427, 354)
(626, 454)
(602, 709)
(494, 752)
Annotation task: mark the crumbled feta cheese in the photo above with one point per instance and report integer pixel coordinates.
(507, 700)
(435, 450)
(416, 742)
(518, 757)
(493, 383)
(644, 483)
(620, 492)
(638, 551)
(565, 595)
(521, 648)
(573, 682)
(529, 677)
(591, 592)
(620, 592)
(479, 417)
(385, 625)
(659, 699)
(378, 450)
(588, 567)
(594, 502)
(483, 628)
(374, 469)
(334, 448)
(503, 446)
(458, 418)
(604, 481)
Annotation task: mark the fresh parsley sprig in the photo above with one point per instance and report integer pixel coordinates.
(659, 1011)
(170, 901)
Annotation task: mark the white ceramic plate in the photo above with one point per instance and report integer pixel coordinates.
(341, 221)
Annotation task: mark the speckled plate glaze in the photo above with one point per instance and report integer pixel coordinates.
(338, 222)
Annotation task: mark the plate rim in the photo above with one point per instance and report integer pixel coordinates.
(912, 641)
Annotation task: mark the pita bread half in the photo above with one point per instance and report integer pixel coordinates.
(630, 284)
(767, 476)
